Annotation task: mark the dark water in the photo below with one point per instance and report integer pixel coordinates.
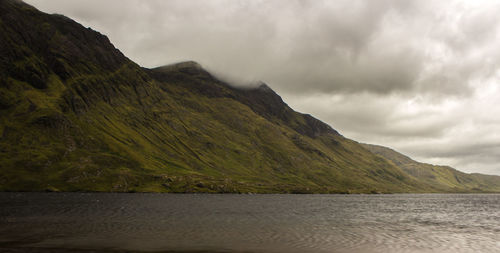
(252, 223)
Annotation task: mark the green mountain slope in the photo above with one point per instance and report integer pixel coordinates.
(76, 114)
(441, 178)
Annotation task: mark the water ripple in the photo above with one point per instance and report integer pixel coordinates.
(261, 223)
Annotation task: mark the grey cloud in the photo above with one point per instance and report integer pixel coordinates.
(418, 76)
(304, 46)
(486, 150)
(475, 157)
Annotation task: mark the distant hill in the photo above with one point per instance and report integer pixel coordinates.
(77, 115)
(442, 178)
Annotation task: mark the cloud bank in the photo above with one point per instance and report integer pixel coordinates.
(419, 76)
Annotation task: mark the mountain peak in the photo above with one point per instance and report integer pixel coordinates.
(264, 87)
(34, 45)
(180, 66)
(188, 64)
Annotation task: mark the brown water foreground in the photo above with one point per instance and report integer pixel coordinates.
(69, 250)
(189, 223)
(17, 247)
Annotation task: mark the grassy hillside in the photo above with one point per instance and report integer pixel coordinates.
(77, 115)
(441, 178)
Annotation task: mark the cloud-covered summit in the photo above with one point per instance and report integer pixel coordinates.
(419, 76)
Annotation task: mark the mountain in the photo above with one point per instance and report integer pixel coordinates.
(441, 178)
(77, 115)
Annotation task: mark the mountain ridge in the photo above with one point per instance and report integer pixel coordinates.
(78, 115)
(439, 176)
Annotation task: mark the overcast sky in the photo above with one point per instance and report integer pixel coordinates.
(419, 76)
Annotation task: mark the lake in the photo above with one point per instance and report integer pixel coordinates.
(60, 222)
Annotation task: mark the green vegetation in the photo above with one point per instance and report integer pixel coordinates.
(77, 115)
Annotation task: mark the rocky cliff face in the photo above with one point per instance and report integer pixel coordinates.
(262, 99)
(35, 44)
(75, 114)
